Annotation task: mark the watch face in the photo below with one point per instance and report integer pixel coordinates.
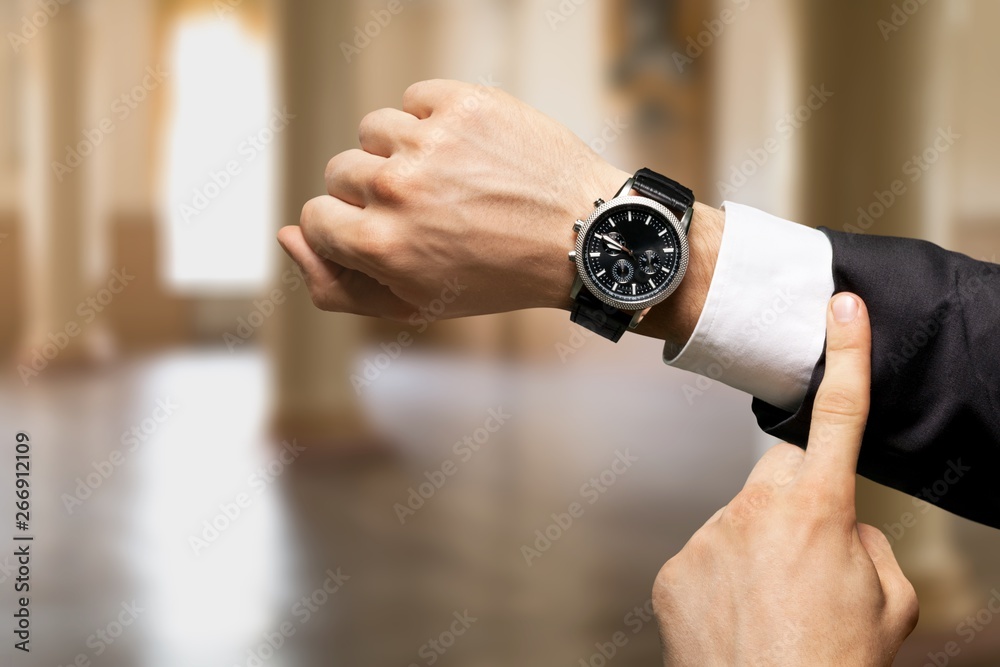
(632, 253)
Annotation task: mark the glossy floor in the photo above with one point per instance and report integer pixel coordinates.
(204, 543)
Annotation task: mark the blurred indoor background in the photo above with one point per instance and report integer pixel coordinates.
(225, 476)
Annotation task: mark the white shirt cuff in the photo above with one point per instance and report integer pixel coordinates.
(763, 326)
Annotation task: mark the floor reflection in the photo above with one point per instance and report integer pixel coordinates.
(453, 547)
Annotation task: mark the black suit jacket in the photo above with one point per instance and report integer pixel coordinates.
(934, 425)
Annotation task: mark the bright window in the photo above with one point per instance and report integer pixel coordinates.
(222, 153)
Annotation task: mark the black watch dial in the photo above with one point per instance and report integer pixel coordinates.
(632, 253)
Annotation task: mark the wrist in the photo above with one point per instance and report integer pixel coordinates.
(674, 320)
(603, 182)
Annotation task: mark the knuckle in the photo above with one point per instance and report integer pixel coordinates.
(462, 99)
(850, 347)
(475, 101)
(310, 217)
(751, 502)
(313, 225)
(430, 88)
(700, 545)
(305, 217)
(339, 166)
(369, 120)
(416, 89)
(426, 136)
(404, 179)
(390, 185)
(370, 124)
(479, 95)
(664, 586)
(678, 573)
(445, 88)
(839, 401)
(330, 173)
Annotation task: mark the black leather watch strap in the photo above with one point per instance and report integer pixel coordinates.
(597, 316)
(668, 192)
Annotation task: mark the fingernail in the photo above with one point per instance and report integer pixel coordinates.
(845, 308)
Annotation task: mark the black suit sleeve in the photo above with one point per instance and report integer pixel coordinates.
(934, 426)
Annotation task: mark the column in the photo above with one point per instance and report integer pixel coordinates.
(313, 351)
(54, 84)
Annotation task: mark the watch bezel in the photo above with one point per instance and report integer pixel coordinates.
(598, 291)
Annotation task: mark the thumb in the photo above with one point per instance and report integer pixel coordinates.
(901, 599)
(840, 410)
(335, 288)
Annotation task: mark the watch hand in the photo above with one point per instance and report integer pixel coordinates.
(611, 242)
(614, 244)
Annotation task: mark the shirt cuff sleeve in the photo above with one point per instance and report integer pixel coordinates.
(763, 327)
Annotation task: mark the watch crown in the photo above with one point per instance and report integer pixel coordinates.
(598, 203)
(578, 225)
(572, 255)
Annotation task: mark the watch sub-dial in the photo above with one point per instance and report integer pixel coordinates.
(617, 238)
(650, 262)
(623, 271)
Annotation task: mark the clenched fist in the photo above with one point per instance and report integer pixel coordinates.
(468, 185)
(465, 184)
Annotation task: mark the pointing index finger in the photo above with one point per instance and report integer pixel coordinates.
(840, 410)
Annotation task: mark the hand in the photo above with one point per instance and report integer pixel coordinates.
(466, 184)
(784, 574)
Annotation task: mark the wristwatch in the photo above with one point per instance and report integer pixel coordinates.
(631, 253)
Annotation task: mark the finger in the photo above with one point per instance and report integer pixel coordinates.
(349, 176)
(295, 246)
(336, 231)
(385, 131)
(778, 466)
(339, 289)
(840, 410)
(878, 548)
(899, 593)
(422, 98)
